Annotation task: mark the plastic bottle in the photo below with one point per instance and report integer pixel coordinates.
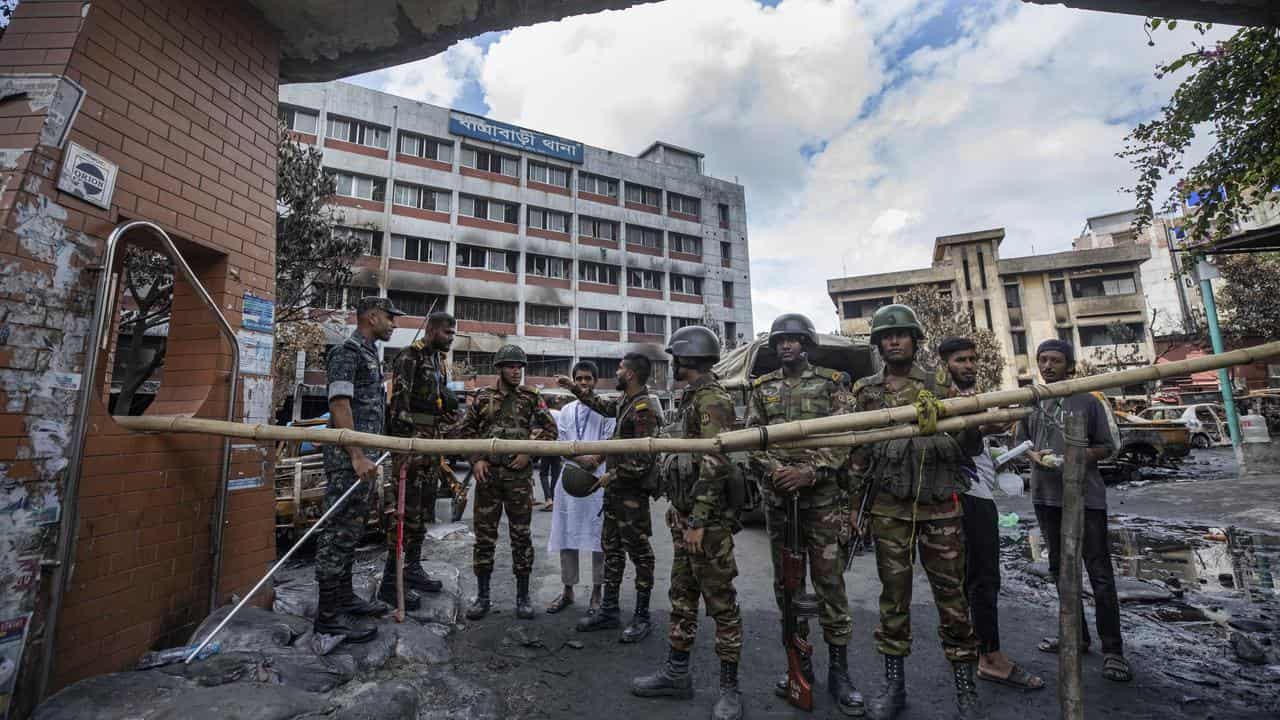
(158, 658)
(1009, 521)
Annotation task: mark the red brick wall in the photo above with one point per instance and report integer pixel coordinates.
(182, 96)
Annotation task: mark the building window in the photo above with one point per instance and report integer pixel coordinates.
(724, 214)
(986, 306)
(549, 174)
(1103, 286)
(644, 195)
(481, 258)
(549, 365)
(730, 334)
(419, 249)
(644, 279)
(863, 308)
(299, 120)
(726, 293)
(644, 237)
(683, 322)
(968, 284)
(646, 324)
(548, 220)
(1058, 291)
(477, 363)
(547, 316)
(422, 198)
(360, 186)
(370, 240)
(426, 147)
(684, 204)
(493, 210)
(982, 270)
(686, 285)
(547, 266)
(345, 298)
(688, 244)
(416, 303)
(489, 161)
(597, 228)
(360, 133)
(597, 273)
(1012, 296)
(973, 317)
(726, 252)
(1113, 334)
(607, 320)
(1065, 334)
(597, 185)
(478, 310)
(1019, 342)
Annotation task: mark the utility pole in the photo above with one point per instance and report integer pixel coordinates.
(1205, 273)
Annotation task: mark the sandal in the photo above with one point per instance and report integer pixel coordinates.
(559, 604)
(1050, 645)
(1018, 678)
(1116, 669)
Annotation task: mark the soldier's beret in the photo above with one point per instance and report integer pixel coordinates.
(377, 303)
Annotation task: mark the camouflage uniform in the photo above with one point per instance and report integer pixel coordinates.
(627, 522)
(707, 411)
(917, 502)
(824, 526)
(354, 371)
(512, 413)
(418, 394)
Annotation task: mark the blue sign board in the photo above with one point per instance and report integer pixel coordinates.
(516, 137)
(259, 314)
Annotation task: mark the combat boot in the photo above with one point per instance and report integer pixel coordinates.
(331, 621)
(480, 606)
(891, 700)
(414, 576)
(524, 608)
(387, 588)
(847, 697)
(729, 706)
(968, 706)
(671, 680)
(351, 603)
(607, 617)
(640, 626)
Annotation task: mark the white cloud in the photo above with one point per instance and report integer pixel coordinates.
(438, 80)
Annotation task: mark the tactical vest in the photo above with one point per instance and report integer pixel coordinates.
(504, 425)
(928, 469)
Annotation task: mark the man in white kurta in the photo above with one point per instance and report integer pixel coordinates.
(576, 522)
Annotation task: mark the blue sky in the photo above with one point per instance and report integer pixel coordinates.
(861, 129)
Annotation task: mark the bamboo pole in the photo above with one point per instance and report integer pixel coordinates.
(749, 439)
(951, 424)
(1075, 462)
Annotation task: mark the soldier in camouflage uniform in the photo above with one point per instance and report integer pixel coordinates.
(510, 411)
(628, 486)
(702, 524)
(918, 483)
(422, 406)
(357, 401)
(800, 391)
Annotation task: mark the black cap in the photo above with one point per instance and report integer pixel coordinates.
(377, 303)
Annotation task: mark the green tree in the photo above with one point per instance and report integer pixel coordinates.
(1249, 301)
(1231, 97)
(148, 288)
(943, 317)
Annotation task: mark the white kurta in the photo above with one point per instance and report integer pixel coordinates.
(576, 522)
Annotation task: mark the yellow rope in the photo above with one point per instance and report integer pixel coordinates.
(928, 410)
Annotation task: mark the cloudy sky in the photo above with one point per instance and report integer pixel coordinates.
(861, 129)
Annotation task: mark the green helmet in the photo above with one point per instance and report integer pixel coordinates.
(895, 317)
(510, 354)
(577, 482)
(793, 324)
(694, 341)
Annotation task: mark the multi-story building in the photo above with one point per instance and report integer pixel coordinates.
(570, 251)
(1093, 298)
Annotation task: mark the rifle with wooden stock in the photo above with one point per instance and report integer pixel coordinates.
(799, 651)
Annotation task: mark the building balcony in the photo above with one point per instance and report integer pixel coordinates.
(602, 199)
(362, 204)
(687, 257)
(606, 335)
(547, 234)
(343, 145)
(468, 221)
(490, 176)
(491, 328)
(417, 267)
(1109, 305)
(644, 208)
(490, 275)
(599, 288)
(543, 187)
(423, 162)
(597, 242)
(644, 250)
(406, 211)
(642, 293)
(692, 299)
(547, 332)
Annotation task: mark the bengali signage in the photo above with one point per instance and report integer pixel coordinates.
(516, 137)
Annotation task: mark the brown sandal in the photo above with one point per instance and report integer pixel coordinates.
(559, 604)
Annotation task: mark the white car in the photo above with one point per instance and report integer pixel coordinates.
(1205, 421)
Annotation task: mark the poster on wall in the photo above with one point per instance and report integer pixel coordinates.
(259, 314)
(88, 176)
(257, 400)
(13, 636)
(255, 352)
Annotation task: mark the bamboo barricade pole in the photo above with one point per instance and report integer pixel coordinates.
(749, 439)
(1070, 611)
(951, 424)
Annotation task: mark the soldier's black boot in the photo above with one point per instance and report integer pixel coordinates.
(967, 705)
(331, 621)
(729, 706)
(480, 606)
(414, 576)
(387, 588)
(847, 697)
(891, 700)
(607, 616)
(640, 626)
(671, 680)
(352, 604)
(524, 608)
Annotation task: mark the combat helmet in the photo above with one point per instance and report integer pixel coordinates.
(895, 317)
(694, 341)
(576, 480)
(510, 354)
(793, 324)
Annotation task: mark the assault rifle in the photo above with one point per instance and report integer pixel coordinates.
(799, 651)
(861, 538)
